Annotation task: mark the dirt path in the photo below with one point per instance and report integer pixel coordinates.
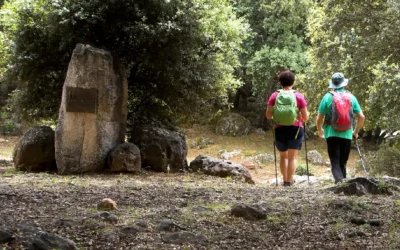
(297, 217)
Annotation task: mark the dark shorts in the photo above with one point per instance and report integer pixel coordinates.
(286, 137)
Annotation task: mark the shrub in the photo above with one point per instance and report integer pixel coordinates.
(385, 161)
(300, 170)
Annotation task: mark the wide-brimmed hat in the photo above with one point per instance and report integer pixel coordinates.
(338, 81)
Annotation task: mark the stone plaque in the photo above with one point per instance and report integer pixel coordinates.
(81, 100)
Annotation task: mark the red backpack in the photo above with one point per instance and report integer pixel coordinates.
(342, 112)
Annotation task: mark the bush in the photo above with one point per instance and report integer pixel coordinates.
(179, 55)
(8, 126)
(385, 161)
(300, 170)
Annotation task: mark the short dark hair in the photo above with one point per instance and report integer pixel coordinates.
(286, 78)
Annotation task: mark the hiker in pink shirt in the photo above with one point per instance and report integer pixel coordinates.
(288, 137)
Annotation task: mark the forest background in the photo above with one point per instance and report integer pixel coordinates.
(192, 61)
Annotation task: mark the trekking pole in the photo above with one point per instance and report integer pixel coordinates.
(361, 158)
(274, 144)
(305, 147)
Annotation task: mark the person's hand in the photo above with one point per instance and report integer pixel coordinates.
(321, 133)
(299, 117)
(355, 135)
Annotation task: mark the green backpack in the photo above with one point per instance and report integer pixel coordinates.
(285, 108)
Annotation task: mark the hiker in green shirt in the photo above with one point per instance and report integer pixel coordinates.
(337, 135)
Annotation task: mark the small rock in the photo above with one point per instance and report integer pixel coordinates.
(201, 209)
(354, 188)
(139, 226)
(142, 224)
(168, 225)
(130, 230)
(260, 131)
(6, 236)
(356, 234)
(315, 157)
(65, 223)
(223, 154)
(221, 168)
(262, 158)
(249, 165)
(249, 212)
(184, 237)
(107, 204)
(341, 204)
(375, 223)
(33, 237)
(53, 241)
(358, 221)
(109, 217)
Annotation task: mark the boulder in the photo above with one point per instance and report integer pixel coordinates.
(125, 157)
(32, 237)
(223, 154)
(362, 186)
(256, 211)
(233, 125)
(315, 157)
(220, 168)
(160, 149)
(35, 150)
(168, 225)
(310, 132)
(93, 111)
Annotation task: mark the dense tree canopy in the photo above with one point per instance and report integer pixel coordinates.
(179, 54)
(359, 38)
(183, 56)
(278, 39)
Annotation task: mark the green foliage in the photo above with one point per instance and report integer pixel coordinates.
(383, 96)
(8, 125)
(300, 170)
(278, 41)
(179, 54)
(359, 38)
(385, 161)
(200, 142)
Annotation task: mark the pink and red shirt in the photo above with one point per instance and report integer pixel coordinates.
(300, 101)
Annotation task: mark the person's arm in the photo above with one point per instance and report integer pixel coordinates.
(320, 122)
(269, 112)
(304, 115)
(359, 125)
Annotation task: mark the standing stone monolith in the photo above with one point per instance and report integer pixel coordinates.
(93, 111)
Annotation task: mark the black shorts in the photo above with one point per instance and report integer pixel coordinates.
(289, 137)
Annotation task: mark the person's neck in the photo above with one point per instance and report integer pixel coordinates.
(287, 88)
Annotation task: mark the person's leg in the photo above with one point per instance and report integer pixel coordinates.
(345, 146)
(293, 148)
(283, 163)
(334, 157)
(292, 164)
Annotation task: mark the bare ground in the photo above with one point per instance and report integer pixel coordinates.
(299, 217)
